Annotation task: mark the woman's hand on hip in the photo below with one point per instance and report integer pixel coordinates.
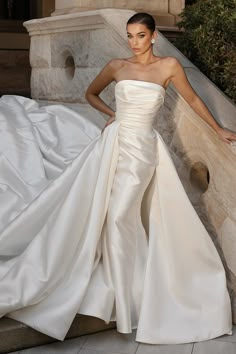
(110, 120)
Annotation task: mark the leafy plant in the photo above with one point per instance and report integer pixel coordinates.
(209, 40)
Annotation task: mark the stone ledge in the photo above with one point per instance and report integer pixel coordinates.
(57, 24)
(169, 29)
(17, 336)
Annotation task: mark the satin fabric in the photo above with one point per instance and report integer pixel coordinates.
(100, 224)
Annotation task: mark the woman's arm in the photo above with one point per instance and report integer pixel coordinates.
(104, 78)
(180, 81)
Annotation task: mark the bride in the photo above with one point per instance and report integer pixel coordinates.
(99, 224)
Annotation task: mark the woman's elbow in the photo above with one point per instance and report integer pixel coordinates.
(88, 95)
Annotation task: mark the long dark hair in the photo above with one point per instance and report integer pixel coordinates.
(144, 19)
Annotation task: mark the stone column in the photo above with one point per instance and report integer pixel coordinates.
(66, 6)
(165, 11)
(176, 6)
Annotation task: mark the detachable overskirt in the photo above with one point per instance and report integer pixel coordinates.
(115, 236)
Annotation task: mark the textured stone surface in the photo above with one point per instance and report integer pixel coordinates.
(40, 52)
(166, 12)
(160, 5)
(176, 6)
(16, 336)
(111, 342)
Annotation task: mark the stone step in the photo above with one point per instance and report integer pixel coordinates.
(17, 336)
(170, 32)
(14, 41)
(164, 19)
(167, 25)
(14, 72)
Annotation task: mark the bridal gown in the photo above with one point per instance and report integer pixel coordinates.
(99, 224)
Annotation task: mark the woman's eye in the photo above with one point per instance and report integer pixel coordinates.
(139, 36)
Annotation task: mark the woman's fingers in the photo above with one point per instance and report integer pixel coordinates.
(111, 120)
(227, 136)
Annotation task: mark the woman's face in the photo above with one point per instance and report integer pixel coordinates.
(139, 38)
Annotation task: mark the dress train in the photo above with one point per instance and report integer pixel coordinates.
(113, 236)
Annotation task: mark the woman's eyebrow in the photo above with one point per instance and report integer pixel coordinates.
(137, 33)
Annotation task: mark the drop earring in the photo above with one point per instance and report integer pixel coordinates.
(153, 40)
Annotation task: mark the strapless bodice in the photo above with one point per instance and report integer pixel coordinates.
(137, 103)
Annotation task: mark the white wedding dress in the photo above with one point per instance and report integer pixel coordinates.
(101, 225)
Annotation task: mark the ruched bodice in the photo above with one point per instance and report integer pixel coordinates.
(137, 103)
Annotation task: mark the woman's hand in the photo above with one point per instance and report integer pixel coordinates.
(226, 135)
(180, 81)
(110, 120)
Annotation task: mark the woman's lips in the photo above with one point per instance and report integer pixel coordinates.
(136, 49)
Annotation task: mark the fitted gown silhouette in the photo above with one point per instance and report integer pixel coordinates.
(108, 232)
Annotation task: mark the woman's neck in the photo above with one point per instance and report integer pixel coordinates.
(145, 58)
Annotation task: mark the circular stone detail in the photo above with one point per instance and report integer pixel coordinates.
(70, 67)
(199, 177)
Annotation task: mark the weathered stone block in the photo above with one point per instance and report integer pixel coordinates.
(40, 51)
(176, 6)
(72, 44)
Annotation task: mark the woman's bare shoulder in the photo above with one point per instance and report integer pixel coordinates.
(170, 61)
(118, 63)
(170, 65)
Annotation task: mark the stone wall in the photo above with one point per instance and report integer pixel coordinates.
(165, 11)
(166, 6)
(68, 51)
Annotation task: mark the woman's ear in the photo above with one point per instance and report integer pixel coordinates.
(154, 37)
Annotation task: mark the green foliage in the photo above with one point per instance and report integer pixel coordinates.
(209, 40)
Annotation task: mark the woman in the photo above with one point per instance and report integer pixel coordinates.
(145, 66)
(107, 237)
